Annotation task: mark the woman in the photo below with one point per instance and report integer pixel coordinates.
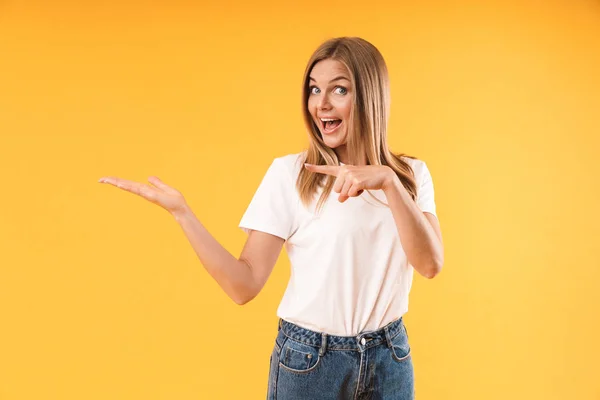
(341, 334)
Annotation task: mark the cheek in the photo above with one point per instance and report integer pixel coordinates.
(312, 110)
(345, 109)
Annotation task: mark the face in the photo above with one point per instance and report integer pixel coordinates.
(330, 101)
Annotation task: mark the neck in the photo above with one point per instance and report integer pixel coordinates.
(342, 154)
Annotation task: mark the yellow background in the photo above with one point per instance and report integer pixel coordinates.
(101, 295)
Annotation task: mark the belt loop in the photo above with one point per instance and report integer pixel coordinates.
(323, 344)
(387, 336)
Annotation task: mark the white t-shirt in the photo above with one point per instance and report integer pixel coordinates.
(349, 273)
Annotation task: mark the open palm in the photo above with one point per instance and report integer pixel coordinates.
(158, 193)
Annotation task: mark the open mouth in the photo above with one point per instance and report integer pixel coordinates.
(330, 125)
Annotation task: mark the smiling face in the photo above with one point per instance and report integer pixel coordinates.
(330, 101)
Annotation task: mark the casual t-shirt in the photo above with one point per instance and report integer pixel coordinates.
(349, 272)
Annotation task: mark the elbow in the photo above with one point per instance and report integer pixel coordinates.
(244, 297)
(245, 291)
(242, 301)
(434, 270)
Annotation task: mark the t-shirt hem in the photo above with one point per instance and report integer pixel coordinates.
(262, 228)
(434, 212)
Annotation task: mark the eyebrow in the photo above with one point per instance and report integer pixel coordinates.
(333, 80)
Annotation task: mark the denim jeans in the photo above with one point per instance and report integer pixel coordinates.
(313, 365)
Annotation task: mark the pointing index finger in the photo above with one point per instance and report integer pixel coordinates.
(323, 169)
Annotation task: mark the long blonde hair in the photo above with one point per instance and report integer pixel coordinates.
(367, 130)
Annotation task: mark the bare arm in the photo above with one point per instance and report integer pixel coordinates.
(419, 231)
(242, 279)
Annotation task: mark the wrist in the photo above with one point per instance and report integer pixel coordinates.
(391, 182)
(181, 213)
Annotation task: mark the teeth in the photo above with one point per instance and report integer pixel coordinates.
(328, 119)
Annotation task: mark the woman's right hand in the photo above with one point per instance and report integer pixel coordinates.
(161, 194)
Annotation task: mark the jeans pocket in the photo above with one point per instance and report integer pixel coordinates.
(298, 357)
(399, 346)
(273, 370)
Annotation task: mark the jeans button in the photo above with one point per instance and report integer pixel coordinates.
(363, 341)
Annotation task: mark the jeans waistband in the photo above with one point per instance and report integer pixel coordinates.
(324, 341)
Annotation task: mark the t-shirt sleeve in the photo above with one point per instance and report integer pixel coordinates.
(425, 192)
(271, 210)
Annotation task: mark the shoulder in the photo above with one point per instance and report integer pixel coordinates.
(419, 166)
(290, 163)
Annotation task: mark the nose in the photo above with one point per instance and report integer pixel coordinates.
(323, 102)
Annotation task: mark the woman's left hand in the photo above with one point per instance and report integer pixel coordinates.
(352, 180)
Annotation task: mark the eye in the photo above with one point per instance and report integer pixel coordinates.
(343, 90)
(311, 89)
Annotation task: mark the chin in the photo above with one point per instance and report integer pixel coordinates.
(333, 142)
(334, 145)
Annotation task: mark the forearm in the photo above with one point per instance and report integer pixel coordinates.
(233, 275)
(422, 246)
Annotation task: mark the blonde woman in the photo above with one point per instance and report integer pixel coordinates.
(356, 221)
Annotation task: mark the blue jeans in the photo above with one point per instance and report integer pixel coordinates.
(313, 365)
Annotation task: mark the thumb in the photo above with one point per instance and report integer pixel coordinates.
(158, 183)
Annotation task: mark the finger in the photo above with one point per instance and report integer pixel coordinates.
(323, 169)
(347, 185)
(158, 183)
(113, 180)
(130, 186)
(146, 191)
(339, 184)
(355, 190)
(342, 198)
